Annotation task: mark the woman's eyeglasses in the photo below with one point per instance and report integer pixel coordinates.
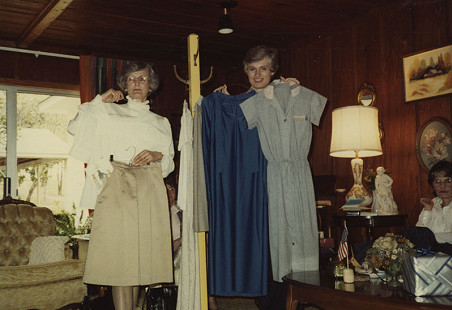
(438, 182)
(140, 80)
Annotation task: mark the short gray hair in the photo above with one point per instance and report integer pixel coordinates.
(134, 66)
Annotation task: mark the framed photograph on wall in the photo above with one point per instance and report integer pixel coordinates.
(434, 142)
(428, 74)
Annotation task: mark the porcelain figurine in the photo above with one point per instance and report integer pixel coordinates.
(384, 197)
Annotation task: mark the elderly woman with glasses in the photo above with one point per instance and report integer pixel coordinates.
(437, 212)
(128, 151)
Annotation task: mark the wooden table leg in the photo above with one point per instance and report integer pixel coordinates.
(291, 304)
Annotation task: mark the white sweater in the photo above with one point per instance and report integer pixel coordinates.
(438, 220)
(103, 129)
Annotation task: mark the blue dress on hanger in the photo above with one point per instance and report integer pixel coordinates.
(236, 176)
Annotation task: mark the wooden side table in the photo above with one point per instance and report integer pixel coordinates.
(82, 242)
(370, 221)
(321, 290)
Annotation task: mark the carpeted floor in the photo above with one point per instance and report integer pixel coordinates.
(223, 303)
(233, 303)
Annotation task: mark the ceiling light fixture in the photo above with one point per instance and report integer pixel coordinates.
(225, 23)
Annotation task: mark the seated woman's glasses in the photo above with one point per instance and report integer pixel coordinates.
(443, 181)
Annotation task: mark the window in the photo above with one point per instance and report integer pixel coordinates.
(34, 146)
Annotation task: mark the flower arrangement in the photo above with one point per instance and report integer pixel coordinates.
(386, 251)
(369, 176)
(386, 254)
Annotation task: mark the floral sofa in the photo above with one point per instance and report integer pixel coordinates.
(36, 271)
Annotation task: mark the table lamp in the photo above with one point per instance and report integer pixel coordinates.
(355, 134)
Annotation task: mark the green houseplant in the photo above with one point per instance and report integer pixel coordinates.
(66, 223)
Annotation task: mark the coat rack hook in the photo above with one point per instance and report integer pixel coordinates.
(209, 77)
(178, 76)
(186, 81)
(195, 56)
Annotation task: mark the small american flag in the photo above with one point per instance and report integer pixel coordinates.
(343, 246)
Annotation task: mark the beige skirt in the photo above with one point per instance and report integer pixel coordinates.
(130, 241)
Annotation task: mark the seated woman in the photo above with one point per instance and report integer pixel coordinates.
(437, 212)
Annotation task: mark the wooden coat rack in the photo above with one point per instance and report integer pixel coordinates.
(194, 79)
(194, 86)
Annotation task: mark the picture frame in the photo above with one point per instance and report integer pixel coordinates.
(434, 142)
(428, 74)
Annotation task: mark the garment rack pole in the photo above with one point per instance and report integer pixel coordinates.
(194, 94)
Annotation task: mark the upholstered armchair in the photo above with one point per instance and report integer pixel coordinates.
(35, 270)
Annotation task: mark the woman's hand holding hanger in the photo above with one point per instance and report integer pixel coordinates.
(145, 157)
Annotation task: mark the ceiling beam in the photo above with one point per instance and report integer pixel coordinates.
(52, 10)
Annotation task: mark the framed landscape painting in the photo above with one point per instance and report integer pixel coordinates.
(428, 74)
(434, 142)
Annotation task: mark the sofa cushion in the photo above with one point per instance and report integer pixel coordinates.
(20, 224)
(43, 296)
(29, 275)
(47, 249)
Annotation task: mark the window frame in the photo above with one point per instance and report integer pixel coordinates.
(11, 124)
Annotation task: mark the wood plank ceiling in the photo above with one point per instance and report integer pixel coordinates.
(156, 29)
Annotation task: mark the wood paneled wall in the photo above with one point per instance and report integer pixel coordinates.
(370, 49)
(367, 49)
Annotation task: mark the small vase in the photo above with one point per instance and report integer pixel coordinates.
(394, 270)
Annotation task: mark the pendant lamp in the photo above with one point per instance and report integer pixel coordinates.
(225, 23)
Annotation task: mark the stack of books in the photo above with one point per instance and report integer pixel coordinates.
(354, 207)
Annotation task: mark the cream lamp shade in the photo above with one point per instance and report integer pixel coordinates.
(355, 134)
(355, 128)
